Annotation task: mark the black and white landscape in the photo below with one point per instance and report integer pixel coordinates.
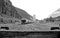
(17, 23)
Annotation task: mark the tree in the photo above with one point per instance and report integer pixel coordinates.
(51, 19)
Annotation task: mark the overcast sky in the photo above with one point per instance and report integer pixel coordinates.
(41, 8)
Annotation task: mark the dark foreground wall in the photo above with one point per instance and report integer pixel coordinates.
(17, 34)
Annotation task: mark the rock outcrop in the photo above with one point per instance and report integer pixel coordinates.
(8, 10)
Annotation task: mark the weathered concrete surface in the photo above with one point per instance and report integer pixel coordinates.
(35, 34)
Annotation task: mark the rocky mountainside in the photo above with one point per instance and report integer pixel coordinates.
(8, 10)
(55, 13)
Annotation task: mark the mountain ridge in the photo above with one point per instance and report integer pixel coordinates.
(8, 10)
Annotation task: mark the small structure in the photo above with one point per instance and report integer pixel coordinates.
(24, 20)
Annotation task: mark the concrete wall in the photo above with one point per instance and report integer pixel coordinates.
(18, 34)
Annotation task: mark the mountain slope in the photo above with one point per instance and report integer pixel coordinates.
(7, 8)
(23, 13)
(9, 11)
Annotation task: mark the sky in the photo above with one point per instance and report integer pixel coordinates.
(41, 8)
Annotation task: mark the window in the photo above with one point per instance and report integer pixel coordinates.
(6, 28)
